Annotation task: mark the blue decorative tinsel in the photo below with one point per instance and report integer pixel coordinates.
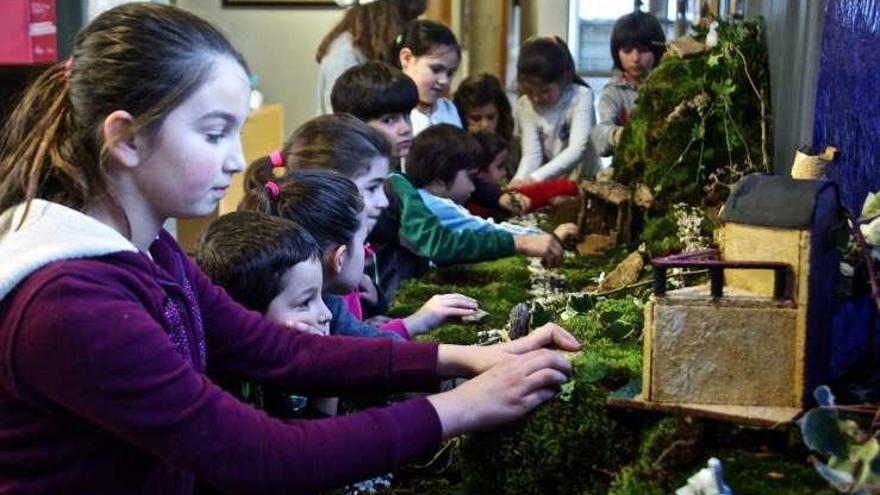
(848, 96)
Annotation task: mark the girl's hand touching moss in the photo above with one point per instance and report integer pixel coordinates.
(503, 393)
(466, 361)
(436, 310)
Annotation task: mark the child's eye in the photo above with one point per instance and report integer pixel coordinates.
(388, 120)
(214, 138)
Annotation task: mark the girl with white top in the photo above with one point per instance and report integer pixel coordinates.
(554, 115)
(365, 33)
(429, 54)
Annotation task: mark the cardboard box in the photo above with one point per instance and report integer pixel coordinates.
(28, 32)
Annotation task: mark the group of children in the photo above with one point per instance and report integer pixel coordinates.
(113, 342)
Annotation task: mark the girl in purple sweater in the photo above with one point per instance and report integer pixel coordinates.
(107, 330)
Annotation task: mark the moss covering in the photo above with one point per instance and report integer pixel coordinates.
(575, 444)
(701, 122)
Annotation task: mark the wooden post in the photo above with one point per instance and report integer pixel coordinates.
(440, 11)
(486, 28)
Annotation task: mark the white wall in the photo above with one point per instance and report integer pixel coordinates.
(553, 18)
(279, 44)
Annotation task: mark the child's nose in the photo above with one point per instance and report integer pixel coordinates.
(404, 128)
(324, 314)
(235, 161)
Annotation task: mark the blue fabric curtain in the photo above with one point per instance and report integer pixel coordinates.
(848, 96)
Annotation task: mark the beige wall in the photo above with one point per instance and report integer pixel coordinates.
(279, 44)
(545, 18)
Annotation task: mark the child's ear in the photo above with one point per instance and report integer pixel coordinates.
(120, 142)
(406, 57)
(336, 258)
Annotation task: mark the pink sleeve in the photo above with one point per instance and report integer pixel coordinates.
(397, 327)
(353, 303)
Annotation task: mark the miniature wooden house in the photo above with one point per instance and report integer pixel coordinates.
(608, 215)
(753, 344)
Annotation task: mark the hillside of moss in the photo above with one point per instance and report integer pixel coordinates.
(702, 122)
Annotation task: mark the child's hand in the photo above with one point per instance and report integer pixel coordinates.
(542, 245)
(515, 202)
(520, 182)
(615, 135)
(367, 290)
(503, 393)
(465, 361)
(437, 309)
(566, 231)
(299, 326)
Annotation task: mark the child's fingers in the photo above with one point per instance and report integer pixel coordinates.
(535, 361)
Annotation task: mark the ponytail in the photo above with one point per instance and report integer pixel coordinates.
(143, 58)
(325, 203)
(42, 149)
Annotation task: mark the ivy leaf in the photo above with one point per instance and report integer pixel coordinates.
(713, 60)
(871, 207)
(840, 480)
(566, 390)
(822, 432)
(540, 315)
(581, 303)
(871, 232)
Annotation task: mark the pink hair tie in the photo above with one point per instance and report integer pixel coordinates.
(273, 190)
(276, 158)
(67, 70)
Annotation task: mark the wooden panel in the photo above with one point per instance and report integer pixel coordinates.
(440, 11)
(262, 133)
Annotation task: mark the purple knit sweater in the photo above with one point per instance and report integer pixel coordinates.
(103, 387)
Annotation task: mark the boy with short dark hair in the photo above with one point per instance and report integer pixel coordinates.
(408, 236)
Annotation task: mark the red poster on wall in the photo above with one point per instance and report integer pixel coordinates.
(28, 32)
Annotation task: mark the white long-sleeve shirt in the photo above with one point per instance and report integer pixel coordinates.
(340, 56)
(556, 141)
(444, 113)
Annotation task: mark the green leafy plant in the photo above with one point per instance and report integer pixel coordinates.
(835, 432)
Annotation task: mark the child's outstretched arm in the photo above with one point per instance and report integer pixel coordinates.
(579, 139)
(437, 310)
(603, 134)
(512, 379)
(93, 353)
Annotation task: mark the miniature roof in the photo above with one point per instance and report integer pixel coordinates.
(773, 201)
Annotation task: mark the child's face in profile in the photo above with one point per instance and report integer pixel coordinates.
(398, 129)
(461, 187)
(484, 117)
(432, 72)
(497, 170)
(370, 184)
(353, 267)
(636, 62)
(300, 298)
(542, 95)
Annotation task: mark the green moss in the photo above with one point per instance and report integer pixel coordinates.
(561, 448)
(760, 474)
(630, 482)
(582, 271)
(698, 121)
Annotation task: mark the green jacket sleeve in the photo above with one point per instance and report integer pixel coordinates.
(422, 232)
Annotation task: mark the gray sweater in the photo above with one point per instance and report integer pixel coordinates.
(615, 103)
